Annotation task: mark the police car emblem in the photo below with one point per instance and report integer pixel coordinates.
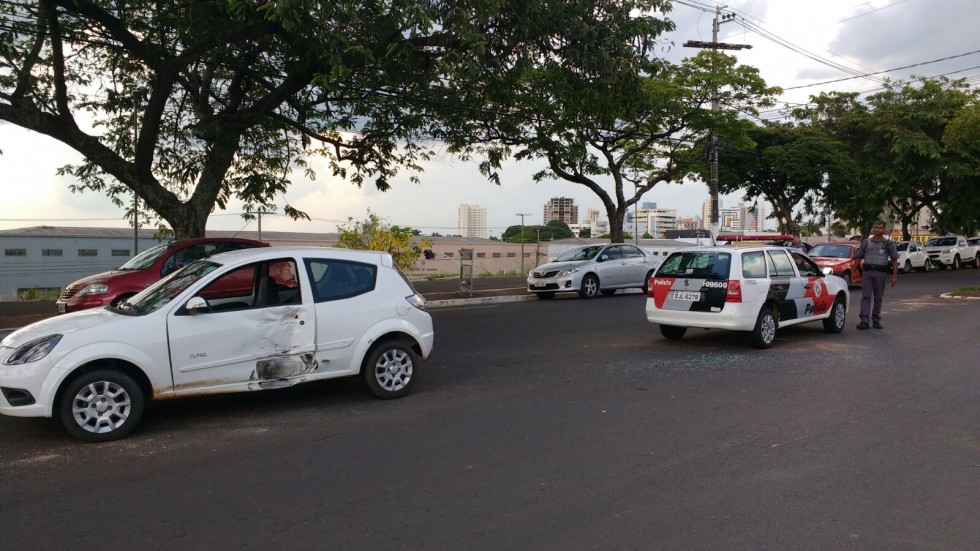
(817, 288)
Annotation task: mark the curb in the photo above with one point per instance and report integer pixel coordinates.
(951, 297)
(447, 303)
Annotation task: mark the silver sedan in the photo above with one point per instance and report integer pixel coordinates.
(592, 269)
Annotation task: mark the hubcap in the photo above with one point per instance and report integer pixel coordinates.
(590, 287)
(101, 407)
(839, 315)
(768, 329)
(393, 370)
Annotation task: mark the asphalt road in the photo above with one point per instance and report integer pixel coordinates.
(564, 424)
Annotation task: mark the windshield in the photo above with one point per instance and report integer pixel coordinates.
(157, 296)
(941, 242)
(904, 246)
(145, 259)
(831, 251)
(581, 253)
(696, 264)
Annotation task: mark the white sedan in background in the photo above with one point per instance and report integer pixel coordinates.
(254, 319)
(592, 269)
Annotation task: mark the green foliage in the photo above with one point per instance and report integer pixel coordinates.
(375, 234)
(198, 103)
(912, 146)
(788, 166)
(619, 127)
(554, 229)
(585, 232)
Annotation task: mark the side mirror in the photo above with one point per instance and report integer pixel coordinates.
(602, 258)
(197, 305)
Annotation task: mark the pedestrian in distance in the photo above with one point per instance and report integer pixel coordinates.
(878, 256)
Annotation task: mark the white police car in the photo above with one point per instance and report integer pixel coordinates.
(757, 289)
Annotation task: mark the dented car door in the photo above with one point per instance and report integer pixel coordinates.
(258, 330)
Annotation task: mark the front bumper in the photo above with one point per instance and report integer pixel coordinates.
(560, 284)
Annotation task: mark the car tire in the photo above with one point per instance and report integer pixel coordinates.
(838, 317)
(609, 292)
(846, 276)
(957, 263)
(765, 329)
(929, 266)
(548, 295)
(590, 286)
(646, 282)
(389, 370)
(907, 268)
(672, 332)
(101, 405)
(976, 262)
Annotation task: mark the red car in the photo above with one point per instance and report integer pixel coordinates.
(109, 288)
(839, 257)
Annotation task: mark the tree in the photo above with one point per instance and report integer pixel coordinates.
(788, 167)
(908, 161)
(556, 229)
(605, 119)
(585, 232)
(190, 105)
(375, 234)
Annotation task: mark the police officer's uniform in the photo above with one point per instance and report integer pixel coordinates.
(877, 257)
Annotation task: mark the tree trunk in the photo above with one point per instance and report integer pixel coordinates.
(616, 218)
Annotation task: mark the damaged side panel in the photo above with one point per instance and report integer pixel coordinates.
(257, 348)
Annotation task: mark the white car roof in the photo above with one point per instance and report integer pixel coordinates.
(257, 254)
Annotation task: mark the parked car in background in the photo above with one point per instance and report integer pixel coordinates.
(306, 314)
(756, 289)
(109, 288)
(592, 269)
(912, 256)
(953, 251)
(838, 259)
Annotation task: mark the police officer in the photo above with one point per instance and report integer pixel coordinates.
(879, 256)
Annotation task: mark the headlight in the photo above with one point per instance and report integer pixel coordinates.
(417, 301)
(828, 271)
(94, 289)
(34, 350)
(568, 271)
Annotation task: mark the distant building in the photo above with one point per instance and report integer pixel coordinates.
(591, 215)
(689, 223)
(472, 221)
(560, 208)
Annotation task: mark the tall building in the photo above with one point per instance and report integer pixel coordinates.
(560, 208)
(591, 215)
(472, 221)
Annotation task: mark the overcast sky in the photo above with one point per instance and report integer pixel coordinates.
(866, 36)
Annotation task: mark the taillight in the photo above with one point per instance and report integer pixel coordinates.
(734, 291)
(650, 288)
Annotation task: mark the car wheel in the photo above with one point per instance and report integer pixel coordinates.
(646, 282)
(590, 286)
(976, 262)
(847, 278)
(929, 266)
(609, 292)
(672, 332)
(765, 329)
(101, 405)
(838, 317)
(390, 369)
(907, 268)
(957, 263)
(546, 295)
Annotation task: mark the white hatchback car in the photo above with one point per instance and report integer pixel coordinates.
(757, 289)
(246, 320)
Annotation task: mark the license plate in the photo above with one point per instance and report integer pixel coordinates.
(540, 284)
(687, 296)
(61, 308)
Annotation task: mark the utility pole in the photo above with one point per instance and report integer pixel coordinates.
(260, 212)
(713, 140)
(522, 215)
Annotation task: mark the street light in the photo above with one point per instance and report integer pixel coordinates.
(522, 215)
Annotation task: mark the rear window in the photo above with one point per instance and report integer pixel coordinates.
(699, 264)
